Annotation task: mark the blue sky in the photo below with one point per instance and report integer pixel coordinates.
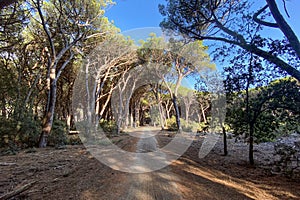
(131, 14)
(137, 14)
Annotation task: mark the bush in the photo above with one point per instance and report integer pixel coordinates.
(29, 131)
(58, 135)
(7, 131)
(171, 124)
(22, 133)
(191, 126)
(74, 140)
(108, 126)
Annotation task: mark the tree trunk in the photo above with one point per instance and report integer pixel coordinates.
(136, 114)
(168, 111)
(187, 110)
(251, 132)
(199, 117)
(174, 99)
(161, 116)
(203, 114)
(131, 118)
(224, 141)
(48, 118)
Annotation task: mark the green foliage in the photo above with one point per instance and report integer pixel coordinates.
(109, 127)
(58, 136)
(274, 110)
(171, 124)
(235, 25)
(16, 134)
(190, 126)
(29, 131)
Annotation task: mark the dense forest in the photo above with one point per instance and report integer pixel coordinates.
(57, 55)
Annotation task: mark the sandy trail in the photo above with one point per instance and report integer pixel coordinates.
(152, 185)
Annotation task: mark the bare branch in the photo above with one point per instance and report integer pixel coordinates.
(284, 4)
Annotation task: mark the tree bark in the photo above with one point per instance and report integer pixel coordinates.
(174, 99)
(251, 140)
(48, 118)
(161, 115)
(203, 113)
(187, 110)
(136, 114)
(284, 26)
(224, 141)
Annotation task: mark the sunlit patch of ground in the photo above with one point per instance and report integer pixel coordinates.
(72, 173)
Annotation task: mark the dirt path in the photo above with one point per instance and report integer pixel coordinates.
(152, 185)
(73, 173)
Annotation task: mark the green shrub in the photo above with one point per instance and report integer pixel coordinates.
(7, 131)
(108, 126)
(74, 140)
(58, 135)
(171, 124)
(29, 131)
(20, 133)
(190, 126)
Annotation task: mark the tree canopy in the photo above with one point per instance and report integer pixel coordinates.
(233, 23)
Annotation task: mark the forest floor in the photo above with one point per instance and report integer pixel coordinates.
(73, 173)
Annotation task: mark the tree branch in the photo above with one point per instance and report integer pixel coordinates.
(284, 27)
(45, 28)
(17, 191)
(64, 66)
(259, 21)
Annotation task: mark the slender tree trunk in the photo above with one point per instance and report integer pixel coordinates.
(199, 117)
(251, 140)
(168, 109)
(224, 141)
(131, 118)
(120, 112)
(136, 115)
(203, 113)
(174, 99)
(187, 110)
(162, 121)
(126, 106)
(105, 104)
(160, 107)
(69, 119)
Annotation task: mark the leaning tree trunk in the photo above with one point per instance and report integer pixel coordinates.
(49, 114)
